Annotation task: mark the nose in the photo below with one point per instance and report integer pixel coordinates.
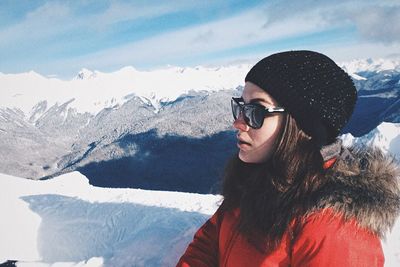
(240, 124)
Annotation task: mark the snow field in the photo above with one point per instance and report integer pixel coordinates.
(67, 221)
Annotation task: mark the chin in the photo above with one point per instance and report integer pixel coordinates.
(246, 158)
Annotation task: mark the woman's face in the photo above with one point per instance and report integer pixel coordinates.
(257, 145)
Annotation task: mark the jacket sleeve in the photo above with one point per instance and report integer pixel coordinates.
(203, 250)
(327, 240)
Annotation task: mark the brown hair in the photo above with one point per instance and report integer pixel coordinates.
(271, 195)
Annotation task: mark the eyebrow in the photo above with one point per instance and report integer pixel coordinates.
(257, 100)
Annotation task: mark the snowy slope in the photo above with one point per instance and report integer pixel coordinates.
(386, 136)
(67, 220)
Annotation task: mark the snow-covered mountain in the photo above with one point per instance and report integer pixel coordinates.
(378, 85)
(92, 91)
(65, 119)
(370, 65)
(130, 127)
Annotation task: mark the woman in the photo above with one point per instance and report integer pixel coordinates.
(294, 196)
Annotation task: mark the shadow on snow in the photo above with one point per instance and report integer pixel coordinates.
(124, 234)
(170, 163)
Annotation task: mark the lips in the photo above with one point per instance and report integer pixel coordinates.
(242, 142)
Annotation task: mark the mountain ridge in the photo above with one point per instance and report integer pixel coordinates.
(86, 86)
(56, 137)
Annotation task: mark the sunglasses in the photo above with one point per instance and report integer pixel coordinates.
(253, 113)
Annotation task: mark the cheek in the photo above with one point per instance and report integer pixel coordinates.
(270, 131)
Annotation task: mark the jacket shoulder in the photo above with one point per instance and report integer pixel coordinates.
(326, 238)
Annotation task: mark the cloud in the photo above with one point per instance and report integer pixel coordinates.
(42, 22)
(378, 23)
(204, 37)
(62, 18)
(231, 33)
(277, 11)
(359, 50)
(77, 30)
(119, 11)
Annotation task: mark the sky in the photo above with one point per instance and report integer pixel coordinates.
(59, 38)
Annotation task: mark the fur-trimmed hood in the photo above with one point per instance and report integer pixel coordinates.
(363, 184)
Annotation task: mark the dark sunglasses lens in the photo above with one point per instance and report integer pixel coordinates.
(258, 117)
(254, 116)
(235, 109)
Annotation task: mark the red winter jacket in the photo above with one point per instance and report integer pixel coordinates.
(325, 240)
(342, 228)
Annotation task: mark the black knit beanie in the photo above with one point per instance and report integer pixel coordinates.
(311, 87)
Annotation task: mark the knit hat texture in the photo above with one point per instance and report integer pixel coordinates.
(311, 87)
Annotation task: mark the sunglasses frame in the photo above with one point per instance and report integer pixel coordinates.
(267, 111)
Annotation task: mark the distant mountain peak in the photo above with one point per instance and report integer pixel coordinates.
(85, 74)
(369, 64)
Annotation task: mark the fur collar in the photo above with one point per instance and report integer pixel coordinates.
(363, 184)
